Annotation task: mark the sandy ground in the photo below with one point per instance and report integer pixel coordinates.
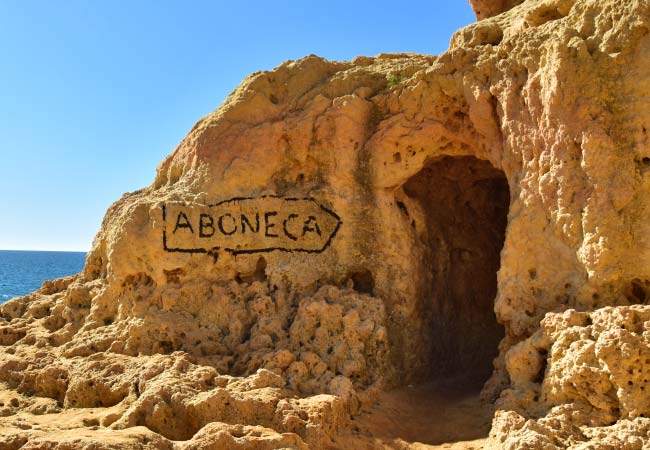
(436, 415)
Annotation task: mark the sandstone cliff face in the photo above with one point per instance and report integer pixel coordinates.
(337, 229)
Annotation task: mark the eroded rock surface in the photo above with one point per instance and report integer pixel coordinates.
(489, 8)
(337, 230)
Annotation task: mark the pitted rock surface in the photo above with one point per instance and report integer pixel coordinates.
(478, 215)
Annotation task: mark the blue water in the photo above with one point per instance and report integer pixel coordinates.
(21, 272)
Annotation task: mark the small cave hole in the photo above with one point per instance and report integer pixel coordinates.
(402, 207)
(539, 378)
(363, 282)
(166, 347)
(637, 291)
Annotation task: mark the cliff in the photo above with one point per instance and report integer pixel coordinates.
(337, 231)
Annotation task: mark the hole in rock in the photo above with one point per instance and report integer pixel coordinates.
(402, 207)
(260, 270)
(259, 274)
(363, 281)
(463, 204)
(637, 291)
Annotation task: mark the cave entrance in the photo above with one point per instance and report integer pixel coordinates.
(464, 204)
(458, 208)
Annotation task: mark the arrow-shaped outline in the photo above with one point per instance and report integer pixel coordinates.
(263, 250)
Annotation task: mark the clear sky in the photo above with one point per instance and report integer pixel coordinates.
(93, 94)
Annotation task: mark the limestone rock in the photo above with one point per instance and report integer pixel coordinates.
(338, 229)
(489, 8)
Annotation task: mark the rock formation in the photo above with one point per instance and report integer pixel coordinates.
(339, 230)
(489, 8)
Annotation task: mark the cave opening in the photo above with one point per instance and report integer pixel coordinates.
(464, 204)
(457, 211)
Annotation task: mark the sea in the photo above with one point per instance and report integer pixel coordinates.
(21, 272)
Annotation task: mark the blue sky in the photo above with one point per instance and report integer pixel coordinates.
(94, 94)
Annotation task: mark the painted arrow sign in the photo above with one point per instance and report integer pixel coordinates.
(249, 225)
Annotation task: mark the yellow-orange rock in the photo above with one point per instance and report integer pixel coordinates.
(489, 8)
(338, 229)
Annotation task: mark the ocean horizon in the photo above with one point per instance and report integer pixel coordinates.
(23, 271)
